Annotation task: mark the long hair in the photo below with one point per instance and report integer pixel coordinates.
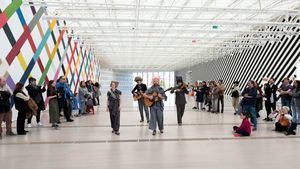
(19, 87)
(50, 85)
(297, 82)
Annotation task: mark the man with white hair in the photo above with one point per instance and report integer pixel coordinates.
(5, 109)
(156, 110)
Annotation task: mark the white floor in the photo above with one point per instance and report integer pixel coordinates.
(204, 141)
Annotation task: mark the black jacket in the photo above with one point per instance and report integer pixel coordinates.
(4, 102)
(269, 91)
(20, 104)
(142, 87)
(36, 95)
(180, 96)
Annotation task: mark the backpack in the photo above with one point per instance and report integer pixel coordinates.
(235, 94)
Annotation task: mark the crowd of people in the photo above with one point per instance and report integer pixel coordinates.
(29, 102)
(209, 96)
(249, 102)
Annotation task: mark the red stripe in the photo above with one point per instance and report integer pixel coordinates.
(3, 19)
(16, 48)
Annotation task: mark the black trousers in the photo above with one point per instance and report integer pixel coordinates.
(143, 107)
(38, 117)
(115, 121)
(180, 111)
(21, 121)
(221, 103)
(240, 132)
(269, 107)
(279, 127)
(65, 105)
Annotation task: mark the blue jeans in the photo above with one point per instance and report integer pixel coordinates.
(252, 111)
(295, 113)
(285, 102)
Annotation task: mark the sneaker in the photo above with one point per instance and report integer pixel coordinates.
(154, 132)
(254, 129)
(194, 107)
(29, 125)
(39, 124)
(70, 120)
(117, 132)
(141, 121)
(161, 131)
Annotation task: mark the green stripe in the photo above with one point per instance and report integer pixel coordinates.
(12, 8)
(87, 61)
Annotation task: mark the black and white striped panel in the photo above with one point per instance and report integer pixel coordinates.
(275, 59)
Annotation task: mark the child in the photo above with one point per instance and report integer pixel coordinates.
(245, 128)
(283, 119)
(200, 96)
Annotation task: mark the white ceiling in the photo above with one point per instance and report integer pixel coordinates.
(170, 34)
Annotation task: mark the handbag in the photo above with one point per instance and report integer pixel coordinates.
(32, 106)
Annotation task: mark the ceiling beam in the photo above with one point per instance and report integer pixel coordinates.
(64, 7)
(174, 21)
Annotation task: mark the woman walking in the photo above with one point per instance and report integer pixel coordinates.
(113, 106)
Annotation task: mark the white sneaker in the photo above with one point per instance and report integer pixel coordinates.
(29, 125)
(39, 124)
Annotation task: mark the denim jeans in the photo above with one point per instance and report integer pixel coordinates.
(285, 102)
(252, 111)
(295, 113)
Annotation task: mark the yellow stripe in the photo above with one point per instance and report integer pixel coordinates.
(53, 23)
(22, 61)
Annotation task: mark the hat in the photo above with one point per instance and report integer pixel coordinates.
(179, 79)
(115, 82)
(138, 78)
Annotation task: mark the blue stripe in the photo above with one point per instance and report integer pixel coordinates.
(35, 57)
(21, 17)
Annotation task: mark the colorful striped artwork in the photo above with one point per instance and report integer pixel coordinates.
(32, 47)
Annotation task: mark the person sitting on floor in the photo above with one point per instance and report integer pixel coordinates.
(245, 127)
(283, 119)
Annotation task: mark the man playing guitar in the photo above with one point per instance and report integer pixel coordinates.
(138, 92)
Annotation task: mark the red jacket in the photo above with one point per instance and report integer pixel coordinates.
(245, 126)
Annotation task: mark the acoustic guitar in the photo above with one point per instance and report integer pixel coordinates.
(150, 102)
(137, 96)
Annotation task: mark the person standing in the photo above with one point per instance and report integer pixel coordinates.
(156, 110)
(200, 96)
(97, 92)
(249, 102)
(53, 104)
(114, 106)
(215, 97)
(295, 105)
(270, 95)
(21, 105)
(284, 90)
(83, 97)
(5, 109)
(35, 92)
(61, 87)
(180, 100)
(235, 96)
(221, 87)
(139, 90)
